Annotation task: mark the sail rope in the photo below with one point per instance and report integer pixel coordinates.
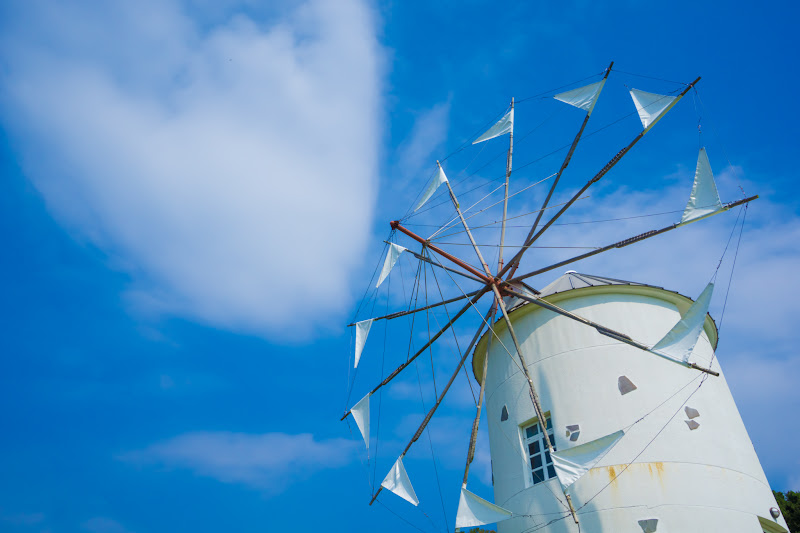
(551, 91)
(455, 220)
(430, 442)
(733, 267)
(353, 372)
(649, 77)
(455, 337)
(380, 392)
(400, 516)
(494, 158)
(702, 378)
(733, 168)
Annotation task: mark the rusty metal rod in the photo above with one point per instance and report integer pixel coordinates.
(399, 314)
(469, 268)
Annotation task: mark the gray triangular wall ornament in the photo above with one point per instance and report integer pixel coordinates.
(625, 385)
(649, 525)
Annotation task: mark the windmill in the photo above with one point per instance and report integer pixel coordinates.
(611, 356)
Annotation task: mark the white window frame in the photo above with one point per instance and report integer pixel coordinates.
(547, 469)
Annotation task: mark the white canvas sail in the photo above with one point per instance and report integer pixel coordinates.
(475, 511)
(360, 412)
(397, 481)
(582, 97)
(704, 200)
(503, 126)
(437, 180)
(651, 106)
(391, 258)
(572, 463)
(362, 331)
(679, 342)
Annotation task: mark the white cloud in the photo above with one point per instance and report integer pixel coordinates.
(227, 165)
(427, 136)
(268, 462)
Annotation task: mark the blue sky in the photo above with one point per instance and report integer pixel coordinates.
(194, 196)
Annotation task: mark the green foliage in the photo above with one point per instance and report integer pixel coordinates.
(789, 504)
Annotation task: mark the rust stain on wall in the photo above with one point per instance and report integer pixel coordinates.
(612, 474)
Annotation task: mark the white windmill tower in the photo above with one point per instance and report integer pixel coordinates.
(607, 410)
(646, 445)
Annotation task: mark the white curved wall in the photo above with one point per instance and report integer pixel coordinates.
(706, 480)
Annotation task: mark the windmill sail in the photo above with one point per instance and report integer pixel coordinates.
(679, 342)
(437, 180)
(391, 258)
(503, 126)
(704, 200)
(651, 106)
(572, 463)
(362, 331)
(360, 412)
(475, 511)
(397, 481)
(582, 97)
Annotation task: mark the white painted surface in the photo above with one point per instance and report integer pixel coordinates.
(708, 479)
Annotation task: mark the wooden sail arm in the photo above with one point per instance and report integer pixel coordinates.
(564, 165)
(537, 406)
(509, 158)
(476, 422)
(620, 244)
(608, 332)
(399, 314)
(447, 326)
(433, 409)
(469, 268)
(489, 277)
(608, 166)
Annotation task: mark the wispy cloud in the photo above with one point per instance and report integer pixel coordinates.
(227, 164)
(268, 462)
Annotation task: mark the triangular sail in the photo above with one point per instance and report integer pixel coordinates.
(503, 126)
(362, 331)
(391, 258)
(475, 511)
(582, 97)
(397, 481)
(651, 106)
(360, 412)
(437, 180)
(572, 463)
(679, 342)
(704, 200)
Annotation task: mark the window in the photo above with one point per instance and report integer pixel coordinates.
(541, 465)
